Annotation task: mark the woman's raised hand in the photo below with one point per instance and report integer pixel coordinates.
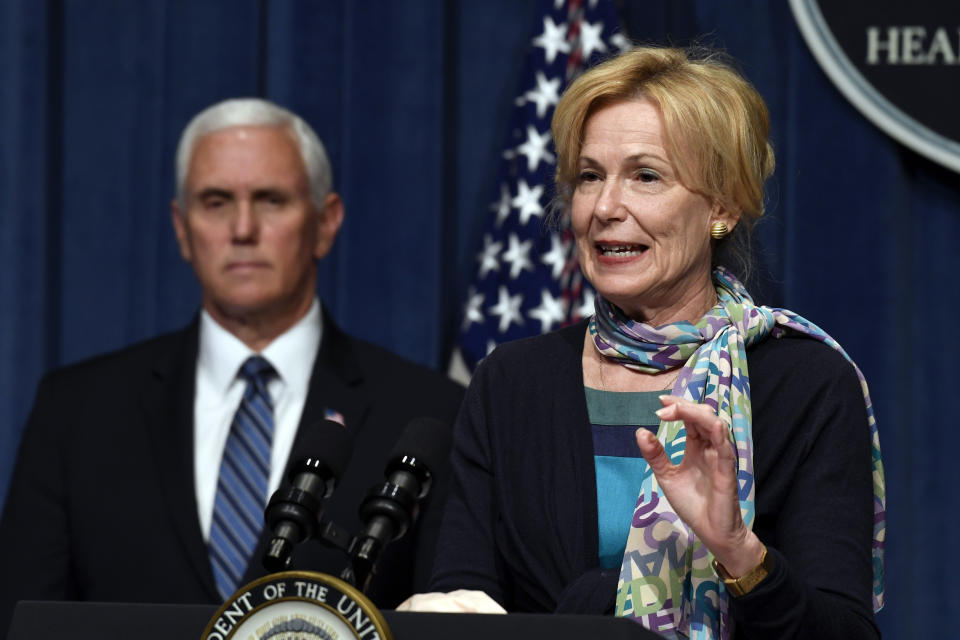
(703, 488)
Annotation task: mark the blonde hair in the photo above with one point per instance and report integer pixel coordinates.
(716, 124)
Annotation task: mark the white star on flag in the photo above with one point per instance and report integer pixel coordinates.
(508, 308)
(535, 148)
(472, 312)
(553, 40)
(545, 95)
(502, 206)
(518, 255)
(585, 310)
(620, 41)
(550, 311)
(555, 258)
(591, 38)
(527, 201)
(488, 256)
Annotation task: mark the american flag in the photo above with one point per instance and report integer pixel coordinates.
(528, 281)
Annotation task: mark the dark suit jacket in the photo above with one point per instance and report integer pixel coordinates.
(102, 504)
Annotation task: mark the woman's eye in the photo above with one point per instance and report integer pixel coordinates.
(588, 176)
(647, 175)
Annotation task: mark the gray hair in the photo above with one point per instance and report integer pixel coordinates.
(253, 112)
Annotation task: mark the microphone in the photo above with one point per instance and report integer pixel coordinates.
(391, 508)
(293, 514)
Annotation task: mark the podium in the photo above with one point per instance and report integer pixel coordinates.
(91, 620)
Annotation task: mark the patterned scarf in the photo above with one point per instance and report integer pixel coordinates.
(666, 581)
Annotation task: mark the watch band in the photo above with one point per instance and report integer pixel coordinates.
(745, 583)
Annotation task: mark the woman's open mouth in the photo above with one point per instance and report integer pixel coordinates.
(620, 250)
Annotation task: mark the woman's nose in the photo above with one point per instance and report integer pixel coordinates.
(609, 205)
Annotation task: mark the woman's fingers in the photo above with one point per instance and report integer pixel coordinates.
(701, 424)
(698, 417)
(653, 452)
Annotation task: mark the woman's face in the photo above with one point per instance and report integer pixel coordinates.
(643, 238)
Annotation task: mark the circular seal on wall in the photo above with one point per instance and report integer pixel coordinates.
(896, 62)
(297, 605)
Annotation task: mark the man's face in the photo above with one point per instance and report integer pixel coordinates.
(249, 228)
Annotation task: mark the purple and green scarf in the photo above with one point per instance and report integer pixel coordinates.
(679, 594)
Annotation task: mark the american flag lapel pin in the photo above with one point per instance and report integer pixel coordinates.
(335, 416)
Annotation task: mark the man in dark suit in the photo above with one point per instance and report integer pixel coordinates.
(122, 482)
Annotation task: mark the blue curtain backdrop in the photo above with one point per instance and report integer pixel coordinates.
(411, 99)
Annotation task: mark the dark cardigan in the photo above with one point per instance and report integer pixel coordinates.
(521, 521)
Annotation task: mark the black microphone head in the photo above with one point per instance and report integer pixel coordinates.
(319, 457)
(326, 445)
(425, 442)
(391, 507)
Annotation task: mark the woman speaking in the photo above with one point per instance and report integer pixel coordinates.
(706, 466)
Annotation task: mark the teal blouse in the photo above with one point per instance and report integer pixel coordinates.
(614, 419)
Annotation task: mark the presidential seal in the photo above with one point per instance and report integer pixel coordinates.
(297, 605)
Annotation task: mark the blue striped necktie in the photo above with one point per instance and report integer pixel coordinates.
(242, 487)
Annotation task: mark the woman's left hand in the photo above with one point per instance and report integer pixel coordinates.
(703, 488)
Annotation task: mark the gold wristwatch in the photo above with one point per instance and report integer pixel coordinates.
(745, 583)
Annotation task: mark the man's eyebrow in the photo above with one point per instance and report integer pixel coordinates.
(269, 192)
(214, 192)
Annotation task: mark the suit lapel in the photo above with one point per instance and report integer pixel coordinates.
(167, 405)
(336, 382)
(335, 385)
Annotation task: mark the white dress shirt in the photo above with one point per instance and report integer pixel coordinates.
(219, 390)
